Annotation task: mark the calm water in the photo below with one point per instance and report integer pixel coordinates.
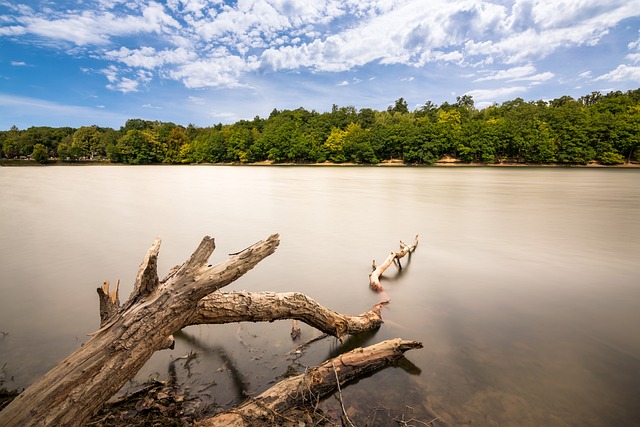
(525, 287)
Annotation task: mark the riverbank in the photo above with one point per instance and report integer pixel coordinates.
(446, 162)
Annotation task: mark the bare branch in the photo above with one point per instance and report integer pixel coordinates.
(394, 257)
(313, 384)
(243, 306)
(109, 301)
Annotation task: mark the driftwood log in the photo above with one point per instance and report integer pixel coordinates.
(393, 258)
(270, 407)
(131, 332)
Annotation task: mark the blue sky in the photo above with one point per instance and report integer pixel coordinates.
(85, 62)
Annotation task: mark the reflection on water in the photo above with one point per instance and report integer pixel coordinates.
(524, 288)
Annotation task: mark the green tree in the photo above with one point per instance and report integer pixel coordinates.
(569, 126)
(400, 106)
(87, 141)
(11, 146)
(40, 154)
(356, 145)
(334, 146)
(172, 145)
(135, 148)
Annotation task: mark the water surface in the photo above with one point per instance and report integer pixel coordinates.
(524, 288)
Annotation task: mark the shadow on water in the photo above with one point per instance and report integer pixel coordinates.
(368, 338)
(399, 271)
(239, 382)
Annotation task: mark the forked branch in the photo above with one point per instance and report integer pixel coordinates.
(394, 257)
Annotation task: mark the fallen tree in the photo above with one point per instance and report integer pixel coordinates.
(131, 332)
(393, 258)
(270, 407)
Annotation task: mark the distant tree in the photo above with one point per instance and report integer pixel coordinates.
(136, 124)
(400, 106)
(135, 148)
(108, 141)
(67, 152)
(356, 145)
(87, 141)
(428, 109)
(40, 154)
(11, 144)
(334, 146)
(465, 101)
(172, 143)
(366, 118)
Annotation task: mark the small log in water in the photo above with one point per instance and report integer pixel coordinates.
(394, 257)
(269, 408)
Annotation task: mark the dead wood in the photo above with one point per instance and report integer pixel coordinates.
(393, 258)
(76, 388)
(243, 306)
(130, 333)
(270, 407)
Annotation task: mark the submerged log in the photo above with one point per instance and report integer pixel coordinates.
(393, 258)
(130, 333)
(269, 407)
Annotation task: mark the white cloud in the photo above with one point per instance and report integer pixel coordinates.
(18, 63)
(495, 95)
(509, 74)
(196, 100)
(121, 83)
(150, 58)
(96, 28)
(343, 83)
(124, 85)
(183, 38)
(622, 73)
(634, 55)
(515, 74)
(12, 30)
(215, 71)
(585, 75)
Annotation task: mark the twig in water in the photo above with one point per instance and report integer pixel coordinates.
(344, 411)
(303, 346)
(295, 330)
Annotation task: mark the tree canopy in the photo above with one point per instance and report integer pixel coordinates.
(603, 128)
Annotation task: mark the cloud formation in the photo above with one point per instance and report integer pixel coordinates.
(220, 44)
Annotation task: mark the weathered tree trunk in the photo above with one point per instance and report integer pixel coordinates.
(130, 333)
(394, 257)
(73, 390)
(243, 306)
(269, 408)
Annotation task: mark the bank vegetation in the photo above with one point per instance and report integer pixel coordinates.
(596, 128)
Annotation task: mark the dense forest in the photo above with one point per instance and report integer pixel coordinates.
(602, 128)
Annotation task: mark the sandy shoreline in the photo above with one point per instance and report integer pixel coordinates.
(387, 163)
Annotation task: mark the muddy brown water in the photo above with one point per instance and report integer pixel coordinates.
(524, 289)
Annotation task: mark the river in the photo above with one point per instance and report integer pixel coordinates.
(524, 289)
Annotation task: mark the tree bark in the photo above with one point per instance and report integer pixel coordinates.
(269, 407)
(229, 307)
(73, 390)
(130, 333)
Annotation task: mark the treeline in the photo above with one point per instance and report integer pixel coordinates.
(595, 127)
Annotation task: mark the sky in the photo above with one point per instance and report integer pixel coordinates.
(101, 62)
